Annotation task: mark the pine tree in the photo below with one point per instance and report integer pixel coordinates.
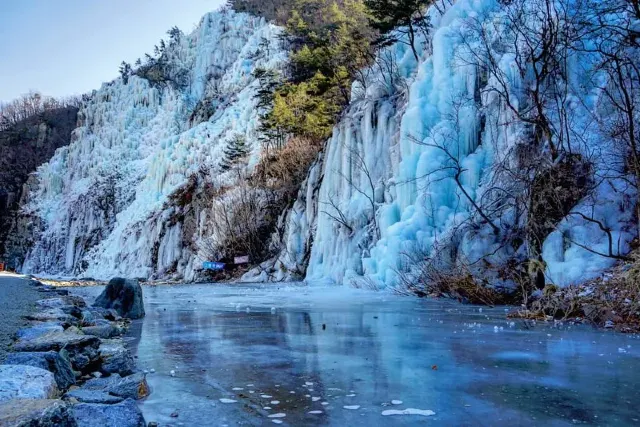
(236, 150)
(125, 71)
(397, 18)
(174, 34)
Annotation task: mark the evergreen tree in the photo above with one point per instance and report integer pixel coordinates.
(174, 34)
(398, 18)
(125, 71)
(236, 150)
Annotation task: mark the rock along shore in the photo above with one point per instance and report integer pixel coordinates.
(68, 366)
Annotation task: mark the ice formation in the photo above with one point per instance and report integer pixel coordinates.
(103, 200)
(382, 172)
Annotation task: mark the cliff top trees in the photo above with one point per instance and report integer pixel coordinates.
(397, 19)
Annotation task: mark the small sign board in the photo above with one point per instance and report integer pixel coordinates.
(213, 265)
(241, 259)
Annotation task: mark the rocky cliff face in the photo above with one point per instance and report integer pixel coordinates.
(23, 148)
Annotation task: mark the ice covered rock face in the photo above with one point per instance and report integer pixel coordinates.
(102, 200)
(396, 194)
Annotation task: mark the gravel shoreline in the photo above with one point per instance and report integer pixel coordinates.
(17, 299)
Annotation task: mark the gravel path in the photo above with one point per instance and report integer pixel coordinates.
(17, 298)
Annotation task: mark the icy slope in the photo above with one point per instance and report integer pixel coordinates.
(387, 193)
(102, 199)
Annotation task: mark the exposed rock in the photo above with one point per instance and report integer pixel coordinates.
(134, 386)
(52, 315)
(26, 382)
(38, 330)
(82, 349)
(35, 413)
(62, 301)
(123, 295)
(93, 396)
(124, 414)
(103, 331)
(55, 362)
(105, 314)
(116, 358)
(24, 147)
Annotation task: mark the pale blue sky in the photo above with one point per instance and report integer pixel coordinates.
(66, 47)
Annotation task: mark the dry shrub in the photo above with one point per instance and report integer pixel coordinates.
(612, 300)
(436, 280)
(286, 168)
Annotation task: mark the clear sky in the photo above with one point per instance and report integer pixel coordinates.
(67, 47)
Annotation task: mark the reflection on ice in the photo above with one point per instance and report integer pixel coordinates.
(376, 351)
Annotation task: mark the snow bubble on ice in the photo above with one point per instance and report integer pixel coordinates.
(225, 400)
(409, 411)
(351, 395)
(274, 402)
(172, 373)
(315, 399)
(278, 415)
(249, 385)
(237, 388)
(315, 412)
(396, 402)
(266, 407)
(308, 383)
(266, 396)
(276, 421)
(352, 407)
(324, 403)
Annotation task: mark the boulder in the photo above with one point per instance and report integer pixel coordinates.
(55, 362)
(52, 315)
(82, 349)
(93, 396)
(38, 330)
(104, 331)
(26, 382)
(123, 295)
(116, 358)
(62, 301)
(124, 414)
(132, 387)
(35, 413)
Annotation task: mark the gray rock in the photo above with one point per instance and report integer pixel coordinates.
(132, 387)
(93, 396)
(103, 331)
(55, 362)
(82, 349)
(26, 382)
(35, 413)
(52, 315)
(123, 295)
(38, 330)
(124, 414)
(116, 358)
(88, 319)
(62, 301)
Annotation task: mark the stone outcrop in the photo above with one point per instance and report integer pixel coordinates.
(26, 382)
(36, 413)
(55, 362)
(124, 296)
(124, 414)
(24, 147)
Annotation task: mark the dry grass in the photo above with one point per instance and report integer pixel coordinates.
(610, 301)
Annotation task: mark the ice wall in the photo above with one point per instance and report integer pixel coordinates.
(103, 200)
(388, 193)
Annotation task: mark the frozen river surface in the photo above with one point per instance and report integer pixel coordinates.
(291, 355)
